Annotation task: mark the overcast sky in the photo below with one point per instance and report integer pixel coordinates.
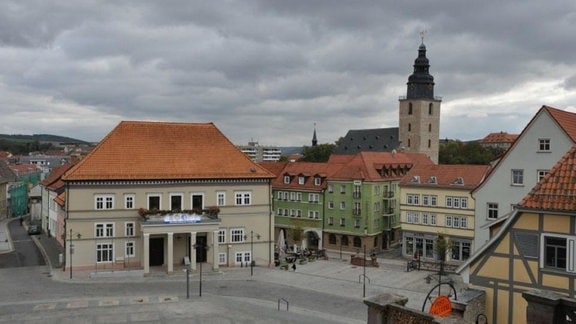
(268, 70)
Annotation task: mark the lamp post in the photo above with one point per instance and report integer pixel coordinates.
(364, 281)
(252, 252)
(72, 250)
(228, 255)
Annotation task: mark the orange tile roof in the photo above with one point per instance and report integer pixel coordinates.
(138, 150)
(446, 175)
(566, 120)
(365, 165)
(309, 170)
(54, 180)
(501, 137)
(557, 190)
(23, 167)
(61, 199)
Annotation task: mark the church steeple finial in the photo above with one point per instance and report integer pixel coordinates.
(421, 83)
(314, 139)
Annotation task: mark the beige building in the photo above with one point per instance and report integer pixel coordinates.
(157, 194)
(435, 201)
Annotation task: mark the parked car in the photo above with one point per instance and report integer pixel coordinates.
(34, 230)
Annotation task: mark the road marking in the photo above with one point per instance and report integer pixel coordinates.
(78, 304)
(43, 307)
(109, 302)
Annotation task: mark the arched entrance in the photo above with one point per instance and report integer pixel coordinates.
(312, 240)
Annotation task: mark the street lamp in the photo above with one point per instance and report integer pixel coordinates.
(198, 247)
(252, 251)
(72, 250)
(228, 255)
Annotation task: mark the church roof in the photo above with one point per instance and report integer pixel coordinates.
(369, 140)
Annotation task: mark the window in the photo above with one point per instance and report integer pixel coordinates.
(154, 202)
(377, 206)
(330, 188)
(457, 202)
(313, 198)
(460, 250)
(292, 212)
(555, 252)
(544, 144)
(317, 181)
(342, 221)
(237, 235)
(357, 241)
(412, 217)
(429, 200)
(285, 195)
(279, 212)
(424, 218)
(243, 257)
(176, 201)
(222, 258)
(129, 201)
(292, 196)
(330, 204)
(104, 252)
(286, 179)
(342, 189)
(448, 221)
(130, 249)
(541, 174)
(279, 195)
(429, 248)
(332, 238)
(129, 228)
(432, 219)
(409, 127)
(429, 129)
(104, 230)
(301, 180)
(409, 108)
(313, 214)
(412, 199)
(517, 177)
(298, 213)
(331, 220)
(356, 210)
(342, 205)
(221, 198)
(430, 106)
(429, 143)
(222, 236)
(243, 198)
(104, 202)
(357, 223)
(492, 210)
(298, 196)
(197, 201)
(344, 240)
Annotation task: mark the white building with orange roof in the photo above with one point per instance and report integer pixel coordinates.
(500, 140)
(157, 194)
(436, 202)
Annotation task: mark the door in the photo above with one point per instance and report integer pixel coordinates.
(156, 251)
(201, 248)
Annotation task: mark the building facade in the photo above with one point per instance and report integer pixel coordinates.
(165, 195)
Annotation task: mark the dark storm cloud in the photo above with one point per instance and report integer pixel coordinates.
(268, 70)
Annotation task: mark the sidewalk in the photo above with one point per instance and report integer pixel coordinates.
(5, 240)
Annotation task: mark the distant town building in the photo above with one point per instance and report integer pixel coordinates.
(501, 140)
(260, 153)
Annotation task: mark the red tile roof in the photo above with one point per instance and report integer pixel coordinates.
(54, 181)
(566, 120)
(446, 176)
(557, 190)
(309, 170)
(23, 167)
(137, 150)
(501, 137)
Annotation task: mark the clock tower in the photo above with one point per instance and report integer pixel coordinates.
(419, 125)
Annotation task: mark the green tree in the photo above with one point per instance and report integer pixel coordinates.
(457, 152)
(319, 153)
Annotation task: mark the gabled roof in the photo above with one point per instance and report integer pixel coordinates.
(275, 167)
(308, 170)
(369, 140)
(365, 165)
(54, 181)
(446, 176)
(6, 174)
(557, 190)
(138, 150)
(501, 137)
(565, 120)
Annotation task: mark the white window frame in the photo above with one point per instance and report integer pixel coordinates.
(331, 220)
(317, 181)
(129, 201)
(342, 189)
(570, 252)
(448, 221)
(221, 235)
(104, 202)
(177, 194)
(491, 208)
(342, 205)
(103, 230)
(130, 229)
(540, 174)
(330, 188)
(342, 221)
(242, 198)
(544, 145)
(130, 249)
(286, 179)
(517, 177)
(222, 258)
(237, 235)
(331, 204)
(221, 198)
(197, 194)
(301, 180)
(413, 199)
(104, 252)
(152, 195)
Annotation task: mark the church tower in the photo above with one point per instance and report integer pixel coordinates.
(419, 125)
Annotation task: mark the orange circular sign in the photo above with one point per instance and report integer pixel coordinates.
(441, 306)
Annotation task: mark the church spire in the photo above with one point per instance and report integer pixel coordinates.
(421, 83)
(314, 139)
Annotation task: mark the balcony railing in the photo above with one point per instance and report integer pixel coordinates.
(356, 195)
(357, 212)
(388, 194)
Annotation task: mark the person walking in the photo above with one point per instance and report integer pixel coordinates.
(294, 266)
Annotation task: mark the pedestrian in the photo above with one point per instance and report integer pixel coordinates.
(21, 220)
(294, 266)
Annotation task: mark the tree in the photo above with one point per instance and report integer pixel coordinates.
(457, 152)
(319, 153)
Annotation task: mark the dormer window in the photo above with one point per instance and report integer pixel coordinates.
(459, 181)
(432, 180)
(286, 179)
(301, 180)
(415, 179)
(317, 181)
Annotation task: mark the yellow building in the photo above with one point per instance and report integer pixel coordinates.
(435, 202)
(532, 252)
(164, 194)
